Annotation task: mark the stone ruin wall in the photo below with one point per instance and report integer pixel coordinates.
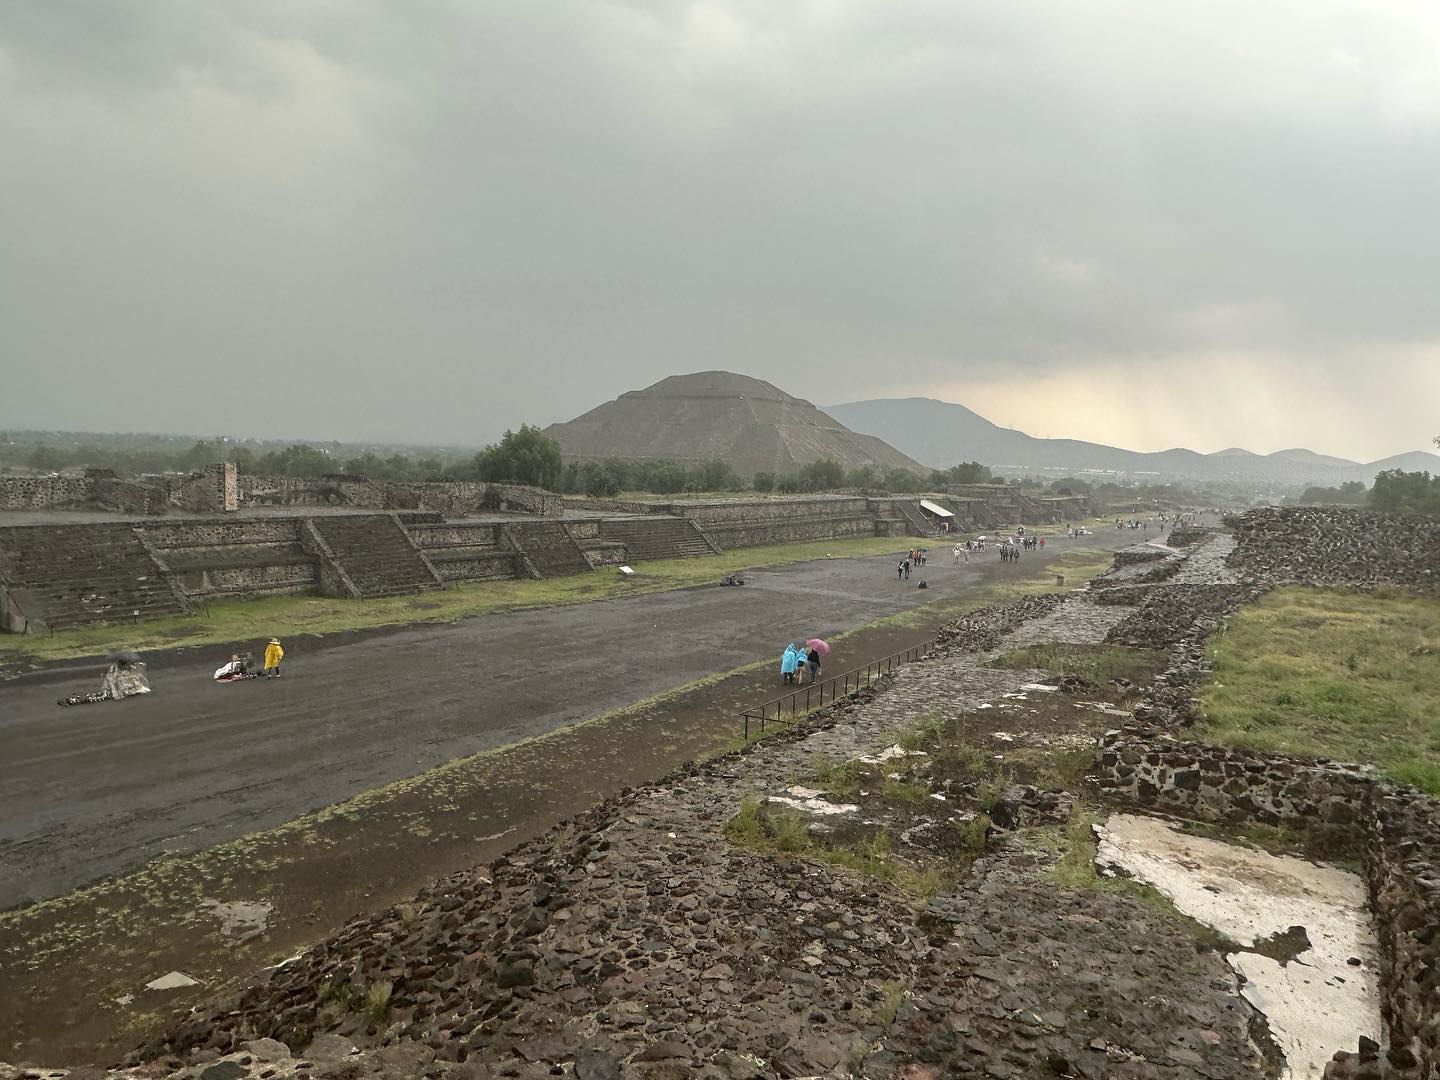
(1338, 546)
(219, 488)
(1152, 765)
(42, 492)
(449, 497)
(1398, 829)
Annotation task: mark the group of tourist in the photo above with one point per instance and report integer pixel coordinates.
(798, 661)
(916, 557)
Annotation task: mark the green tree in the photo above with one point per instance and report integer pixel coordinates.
(598, 479)
(822, 475)
(864, 476)
(903, 481)
(527, 456)
(763, 481)
(1406, 492)
(714, 475)
(298, 460)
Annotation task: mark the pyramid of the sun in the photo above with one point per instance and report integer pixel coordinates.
(747, 423)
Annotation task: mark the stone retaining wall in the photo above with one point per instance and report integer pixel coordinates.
(1400, 831)
(1403, 863)
(1140, 553)
(1230, 785)
(1187, 535)
(39, 492)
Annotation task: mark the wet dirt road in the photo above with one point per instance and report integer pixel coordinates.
(99, 790)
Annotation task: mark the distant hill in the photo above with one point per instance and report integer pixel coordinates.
(944, 434)
(745, 422)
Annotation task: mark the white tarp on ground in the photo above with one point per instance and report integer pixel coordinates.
(937, 510)
(1322, 1000)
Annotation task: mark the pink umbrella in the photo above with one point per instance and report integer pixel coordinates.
(819, 646)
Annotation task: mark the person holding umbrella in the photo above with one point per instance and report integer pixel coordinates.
(817, 648)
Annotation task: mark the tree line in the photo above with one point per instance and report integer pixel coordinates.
(529, 456)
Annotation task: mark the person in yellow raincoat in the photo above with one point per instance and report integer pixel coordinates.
(273, 655)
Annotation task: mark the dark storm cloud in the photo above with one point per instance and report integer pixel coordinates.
(434, 220)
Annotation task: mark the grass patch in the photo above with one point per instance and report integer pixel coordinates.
(292, 616)
(1075, 869)
(842, 779)
(903, 791)
(1328, 673)
(1097, 663)
(769, 831)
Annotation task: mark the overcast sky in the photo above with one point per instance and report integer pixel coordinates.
(1152, 224)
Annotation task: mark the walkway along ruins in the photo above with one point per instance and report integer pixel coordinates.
(912, 882)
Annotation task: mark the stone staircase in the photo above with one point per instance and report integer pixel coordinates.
(549, 547)
(465, 551)
(376, 554)
(919, 524)
(658, 538)
(67, 576)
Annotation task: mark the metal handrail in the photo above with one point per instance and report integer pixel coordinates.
(787, 708)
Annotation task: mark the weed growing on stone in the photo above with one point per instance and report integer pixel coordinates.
(842, 779)
(744, 829)
(971, 835)
(904, 791)
(1097, 663)
(928, 727)
(892, 996)
(377, 1001)
(1062, 769)
(770, 831)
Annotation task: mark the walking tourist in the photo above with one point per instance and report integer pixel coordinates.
(812, 662)
(789, 661)
(958, 549)
(273, 655)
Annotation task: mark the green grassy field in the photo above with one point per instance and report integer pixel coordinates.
(1350, 676)
(284, 616)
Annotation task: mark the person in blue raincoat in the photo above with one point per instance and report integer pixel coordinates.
(789, 661)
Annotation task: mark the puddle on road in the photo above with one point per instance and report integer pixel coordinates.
(1315, 995)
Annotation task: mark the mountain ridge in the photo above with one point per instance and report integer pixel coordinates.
(943, 433)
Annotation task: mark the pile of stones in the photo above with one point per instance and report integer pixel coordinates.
(985, 629)
(1171, 613)
(1335, 546)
